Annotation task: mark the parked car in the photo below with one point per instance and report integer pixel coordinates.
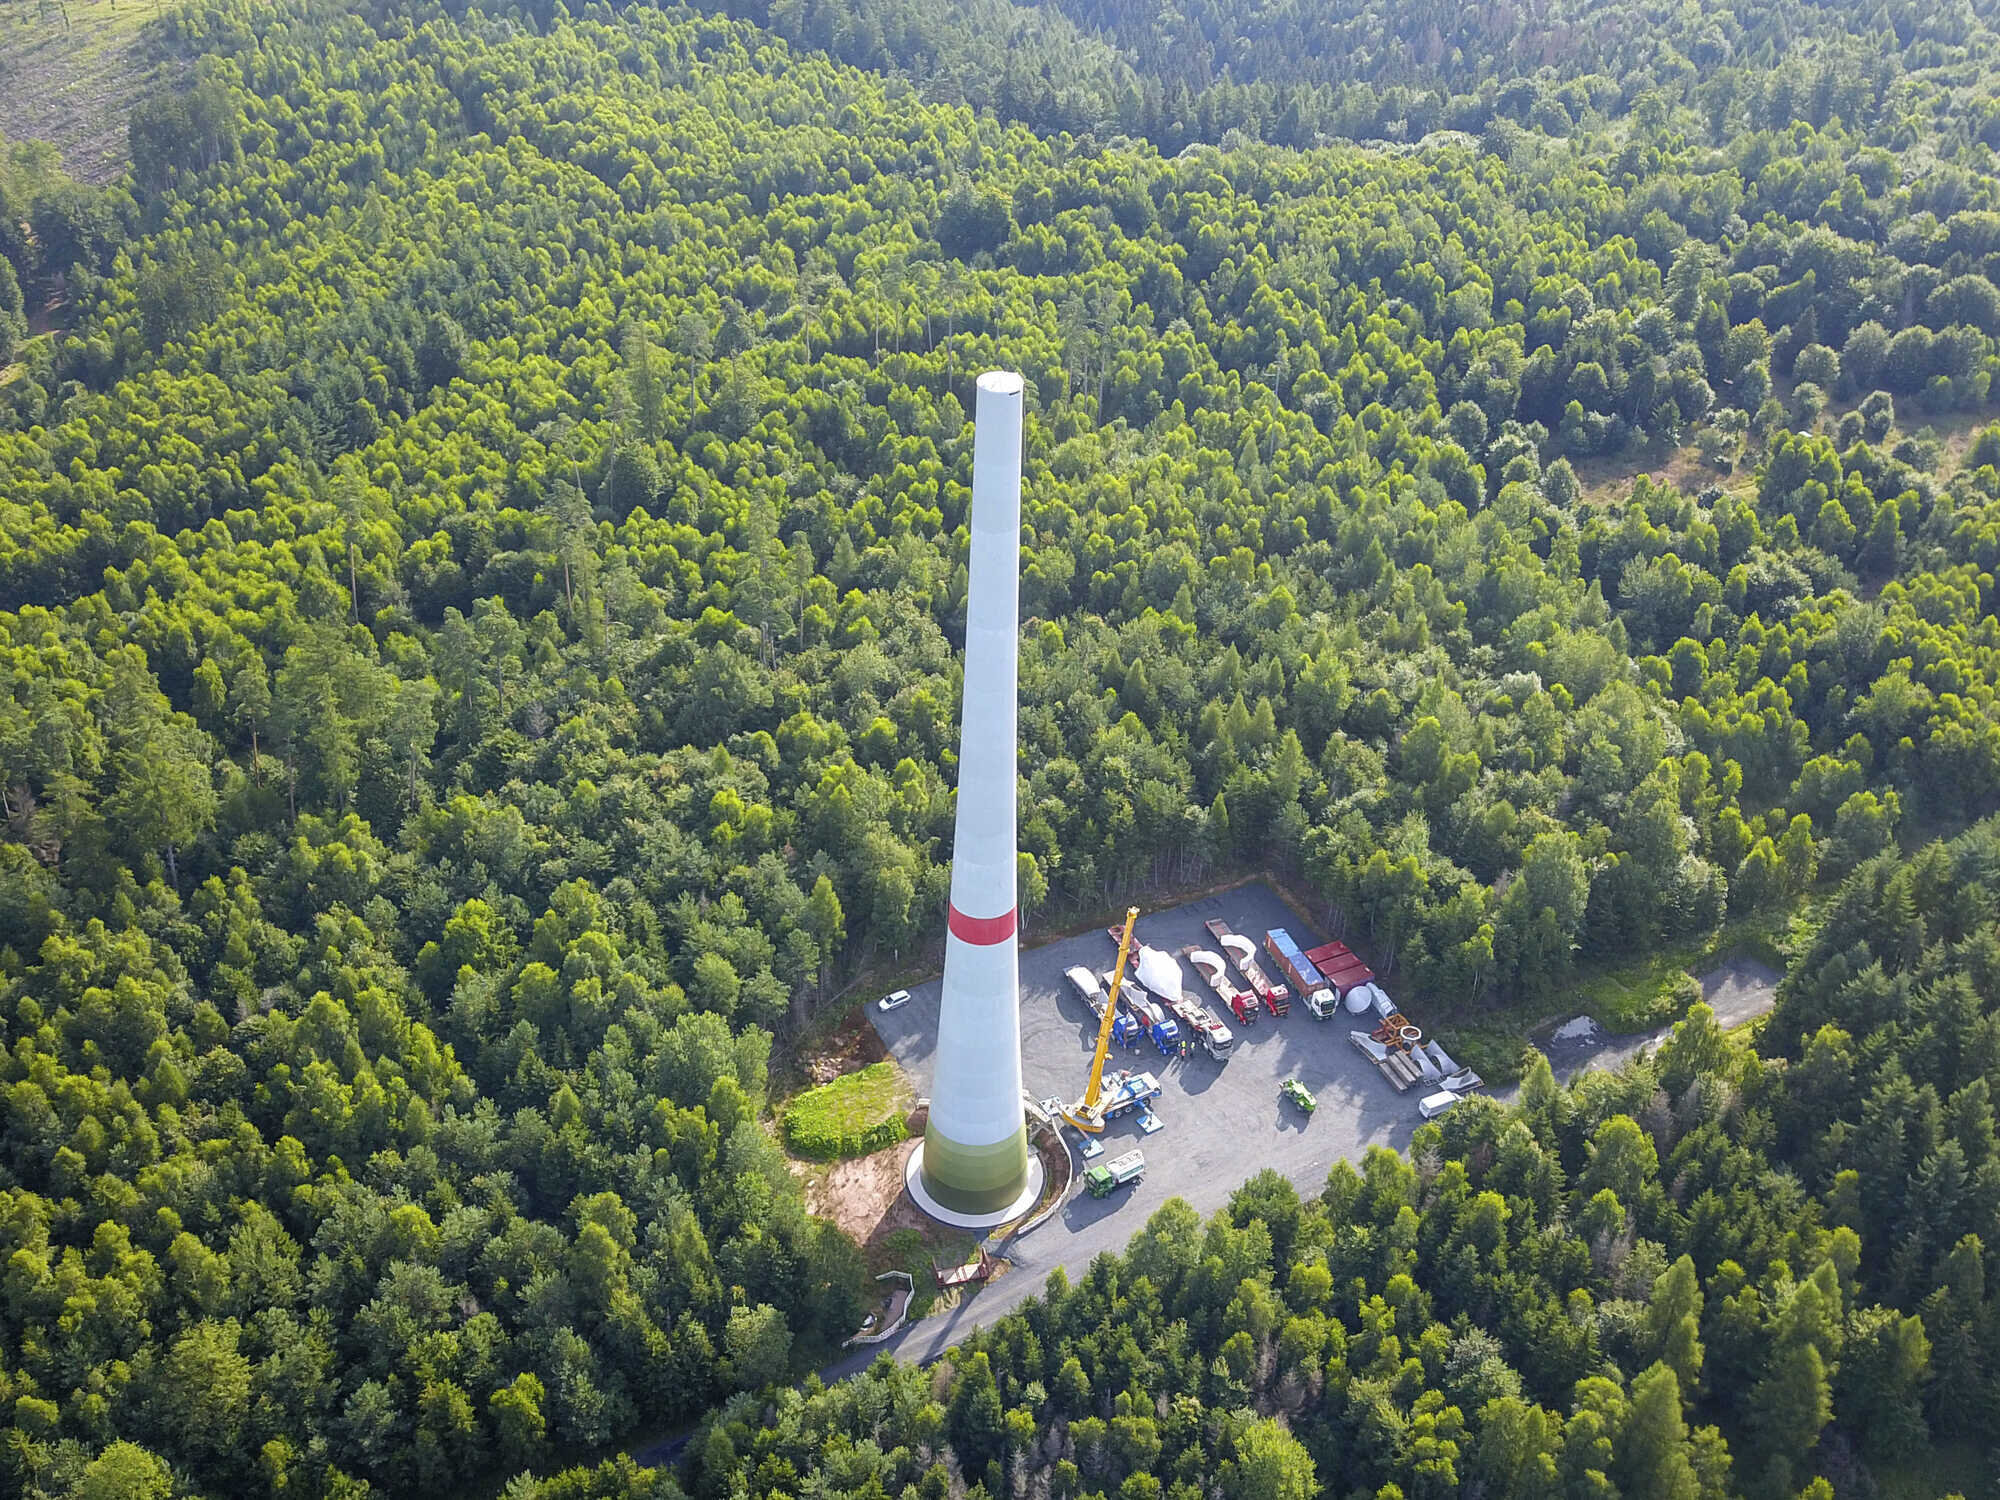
(1300, 1095)
(1436, 1104)
(890, 1002)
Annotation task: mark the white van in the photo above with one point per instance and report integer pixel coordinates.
(1437, 1104)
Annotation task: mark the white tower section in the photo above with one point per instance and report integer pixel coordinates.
(975, 1151)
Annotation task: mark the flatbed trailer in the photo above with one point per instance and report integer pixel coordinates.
(1127, 1090)
(1243, 953)
(972, 1271)
(1214, 969)
(1153, 1021)
(1124, 1030)
(1202, 1025)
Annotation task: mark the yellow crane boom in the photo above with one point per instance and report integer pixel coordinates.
(1084, 1115)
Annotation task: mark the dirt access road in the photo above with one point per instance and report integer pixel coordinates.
(1741, 990)
(1738, 991)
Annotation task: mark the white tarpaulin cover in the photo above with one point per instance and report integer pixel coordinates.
(1240, 946)
(1160, 973)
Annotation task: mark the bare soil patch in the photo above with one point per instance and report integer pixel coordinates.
(851, 1045)
(1047, 1144)
(865, 1196)
(1608, 478)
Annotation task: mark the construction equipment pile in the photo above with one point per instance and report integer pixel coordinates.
(1398, 1048)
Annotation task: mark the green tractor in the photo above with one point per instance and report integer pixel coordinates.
(1300, 1095)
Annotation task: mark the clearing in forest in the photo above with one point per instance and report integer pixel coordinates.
(70, 72)
(863, 1193)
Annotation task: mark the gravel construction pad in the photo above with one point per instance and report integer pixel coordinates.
(1223, 1122)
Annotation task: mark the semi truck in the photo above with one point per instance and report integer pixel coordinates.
(1154, 1022)
(1090, 989)
(1103, 1180)
(1215, 970)
(1292, 962)
(1214, 1038)
(1165, 1033)
(1243, 953)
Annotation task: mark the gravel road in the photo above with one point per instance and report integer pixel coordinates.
(1740, 990)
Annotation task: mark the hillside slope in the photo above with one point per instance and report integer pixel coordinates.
(70, 74)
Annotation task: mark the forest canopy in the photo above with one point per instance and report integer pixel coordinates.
(1298, 73)
(481, 574)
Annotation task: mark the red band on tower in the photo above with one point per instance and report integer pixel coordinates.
(981, 931)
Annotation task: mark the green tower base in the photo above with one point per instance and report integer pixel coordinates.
(975, 1179)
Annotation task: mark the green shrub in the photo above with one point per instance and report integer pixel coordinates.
(852, 1116)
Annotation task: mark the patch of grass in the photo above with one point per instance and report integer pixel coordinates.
(1659, 989)
(855, 1115)
(1497, 1050)
(1943, 1469)
(1644, 996)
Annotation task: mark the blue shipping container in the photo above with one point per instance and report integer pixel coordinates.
(1294, 959)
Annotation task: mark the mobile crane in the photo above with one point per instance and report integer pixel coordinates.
(1089, 1112)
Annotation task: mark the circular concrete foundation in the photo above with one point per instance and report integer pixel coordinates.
(913, 1179)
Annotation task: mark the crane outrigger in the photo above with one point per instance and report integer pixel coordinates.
(1087, 1114)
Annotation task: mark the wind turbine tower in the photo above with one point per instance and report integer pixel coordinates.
(974, 1167)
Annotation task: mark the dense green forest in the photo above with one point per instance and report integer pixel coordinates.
(1901, 73)
(481, 564)
(1625, 1289)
